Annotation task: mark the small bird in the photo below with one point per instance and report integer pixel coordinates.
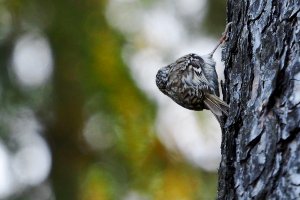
(192, 82)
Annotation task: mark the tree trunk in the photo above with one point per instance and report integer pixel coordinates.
(261, 140)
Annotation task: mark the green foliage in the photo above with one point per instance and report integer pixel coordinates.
(90, 79)
(215, 18)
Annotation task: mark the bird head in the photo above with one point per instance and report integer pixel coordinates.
(162, 78)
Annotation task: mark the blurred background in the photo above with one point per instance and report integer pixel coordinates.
(80, 114)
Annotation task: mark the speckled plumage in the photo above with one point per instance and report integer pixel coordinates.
(192, 82)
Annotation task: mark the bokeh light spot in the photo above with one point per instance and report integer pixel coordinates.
(32, 60)
(5, 175)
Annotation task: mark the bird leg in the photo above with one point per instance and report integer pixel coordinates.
(222, 39)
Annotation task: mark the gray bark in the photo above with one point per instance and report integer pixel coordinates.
(261, 140)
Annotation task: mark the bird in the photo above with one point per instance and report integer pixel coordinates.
(192, 82)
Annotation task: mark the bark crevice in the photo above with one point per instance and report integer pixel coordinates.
(261, 139)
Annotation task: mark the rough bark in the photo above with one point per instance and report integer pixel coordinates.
(261, 140)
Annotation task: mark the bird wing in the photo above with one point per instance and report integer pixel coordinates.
(194, 77)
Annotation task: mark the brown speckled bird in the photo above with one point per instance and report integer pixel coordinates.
(192, 82)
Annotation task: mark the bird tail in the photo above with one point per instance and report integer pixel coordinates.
(216, 105)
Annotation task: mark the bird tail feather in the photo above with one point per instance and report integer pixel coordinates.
(216, 105)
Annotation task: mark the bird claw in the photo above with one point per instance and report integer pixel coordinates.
(224, 37)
